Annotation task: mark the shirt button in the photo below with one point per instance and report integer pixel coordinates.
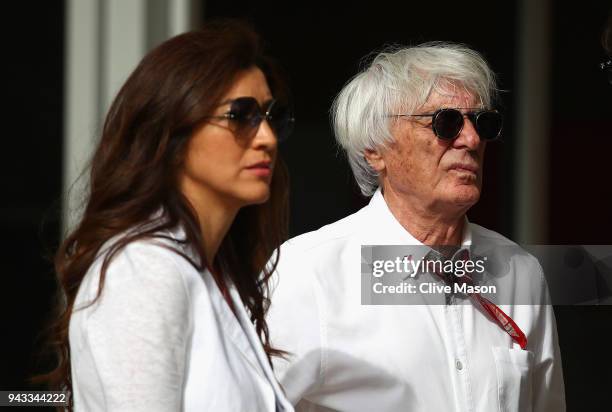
(458, 365)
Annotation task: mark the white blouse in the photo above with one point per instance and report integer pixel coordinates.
(161, 337)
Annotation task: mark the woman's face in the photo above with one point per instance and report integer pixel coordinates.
(220, 166)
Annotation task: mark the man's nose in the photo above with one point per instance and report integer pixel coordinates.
(468, 137)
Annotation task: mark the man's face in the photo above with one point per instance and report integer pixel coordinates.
(435, 175)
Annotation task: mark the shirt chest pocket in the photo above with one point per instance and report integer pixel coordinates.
(514, 379)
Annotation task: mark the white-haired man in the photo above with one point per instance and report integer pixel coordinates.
(414, 125)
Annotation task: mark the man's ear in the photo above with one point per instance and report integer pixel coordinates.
(374, 159)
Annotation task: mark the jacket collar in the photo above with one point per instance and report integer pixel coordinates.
(232, 326)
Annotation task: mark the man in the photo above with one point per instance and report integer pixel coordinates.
(414, 126)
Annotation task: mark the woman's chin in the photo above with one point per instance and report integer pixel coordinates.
(256, 197)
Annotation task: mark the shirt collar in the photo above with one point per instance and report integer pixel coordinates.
(385, 229)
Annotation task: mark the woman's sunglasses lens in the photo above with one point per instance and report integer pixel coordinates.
(489, 124)
(246, 116)
(447, 123)
(281, 120)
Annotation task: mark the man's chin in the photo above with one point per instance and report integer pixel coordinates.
(464, 195)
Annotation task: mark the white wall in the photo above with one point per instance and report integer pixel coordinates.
(105, 40)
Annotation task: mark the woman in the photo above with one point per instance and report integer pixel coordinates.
(188, 201)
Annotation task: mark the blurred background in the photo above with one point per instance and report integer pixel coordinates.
(546, 182)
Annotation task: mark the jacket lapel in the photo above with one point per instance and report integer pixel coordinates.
(238, 328)
(230, 324)
(249, 330)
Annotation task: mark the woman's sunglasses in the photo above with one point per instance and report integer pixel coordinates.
(245, 115)
(448, 123)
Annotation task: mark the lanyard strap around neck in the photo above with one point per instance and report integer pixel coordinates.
(499, 316)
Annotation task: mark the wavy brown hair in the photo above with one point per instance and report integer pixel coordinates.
(134, 174)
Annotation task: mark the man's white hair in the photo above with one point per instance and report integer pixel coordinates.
(400, 80)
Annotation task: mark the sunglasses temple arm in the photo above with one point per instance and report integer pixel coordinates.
(409, 115)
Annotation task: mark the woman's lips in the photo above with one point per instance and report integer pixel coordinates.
(261, 169)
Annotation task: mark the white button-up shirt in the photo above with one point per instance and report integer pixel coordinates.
(347, 356)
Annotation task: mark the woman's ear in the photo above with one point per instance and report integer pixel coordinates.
(375, 160)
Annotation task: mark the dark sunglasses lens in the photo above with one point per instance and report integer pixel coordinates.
(489, 124)
(281, 120)
(447, 123)
(245, 116)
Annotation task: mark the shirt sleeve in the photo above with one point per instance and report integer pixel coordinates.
(296, 324)
(549, 389)
(138, 330)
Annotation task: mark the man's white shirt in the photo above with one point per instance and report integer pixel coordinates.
(347, 356)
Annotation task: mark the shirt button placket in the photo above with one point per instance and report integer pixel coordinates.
(460, 357)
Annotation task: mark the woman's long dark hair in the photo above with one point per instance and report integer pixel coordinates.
(134, 173)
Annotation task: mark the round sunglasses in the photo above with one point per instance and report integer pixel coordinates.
(245, 115)
(447, 123)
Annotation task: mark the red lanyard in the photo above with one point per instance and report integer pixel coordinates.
(503, 320)
(498, 315)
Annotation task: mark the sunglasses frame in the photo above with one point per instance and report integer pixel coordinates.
(473, 115)
(261, 116)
